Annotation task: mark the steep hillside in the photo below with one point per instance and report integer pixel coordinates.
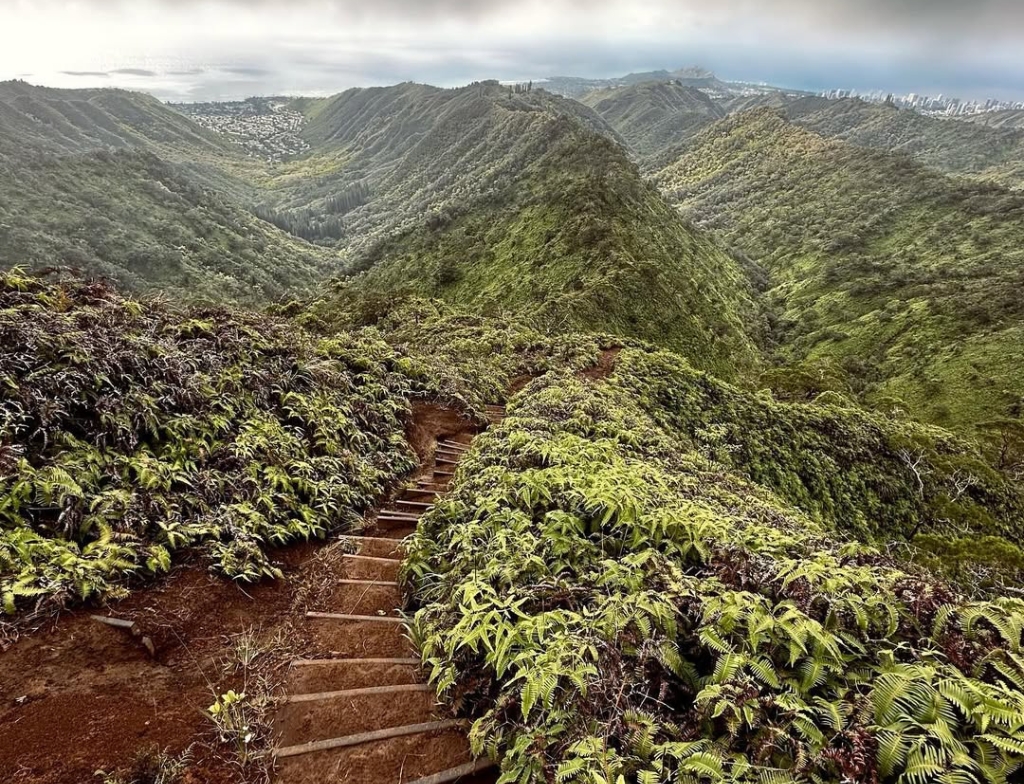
(42, 119)
(384, 158)
(578, 242)
(1009, 118)
(609, 602)
(137, 220)
(637, 547)
(949, 145)
(956, 146)
(775, 99)
(134, 432)
(119, 185)
(907, 277)
(654, 115)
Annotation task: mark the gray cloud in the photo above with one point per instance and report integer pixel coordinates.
(921, 20)
(91, 74)
(914, 17)
(234, 48)
(246, 70)
(134, 72)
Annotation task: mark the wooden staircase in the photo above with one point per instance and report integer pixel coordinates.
(365, 714)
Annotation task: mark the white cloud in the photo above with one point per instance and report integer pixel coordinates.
(324, 45)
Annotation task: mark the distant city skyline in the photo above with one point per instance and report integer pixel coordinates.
(941, 104)
(230, 49)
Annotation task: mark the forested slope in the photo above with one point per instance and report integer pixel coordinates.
(653, 116)
(906, 277)
(385, 159)
(578, 242)
(135, 219)
(56, 122)
(953, 146)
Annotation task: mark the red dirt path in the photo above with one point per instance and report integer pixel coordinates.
(77, 697)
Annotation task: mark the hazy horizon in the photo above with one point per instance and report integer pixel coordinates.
(192, 51)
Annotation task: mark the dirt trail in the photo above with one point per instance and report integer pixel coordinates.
(358, 708)
(605, 365)
(77, 697)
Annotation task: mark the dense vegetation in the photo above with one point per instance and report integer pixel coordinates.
(949, 145)
(38, 124)
(411, 151)
(39, 120)
(907, 278)
(954, 146)
(655, 575)
(469, 360)
(1009, 118)
(132, 432)
(653, 116)
(613, 602)
(578, 242)
(132, 218)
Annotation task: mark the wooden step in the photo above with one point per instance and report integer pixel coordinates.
(378, 547)
(362, 636)
(454, 774)
(407, 518)
(366, 568)
(445, 461)
(454, 445)
(397, 523)
(318, 717)
(366, 691)
(443, 473)
(365, 737)
(322, 616)
(361, 597)
(306, 676)
(394, 760)
(398, 513)
(408, 661)
(418, 504)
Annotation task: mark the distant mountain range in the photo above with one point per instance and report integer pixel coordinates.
(499, 197)
(577, 87)
(654, 116)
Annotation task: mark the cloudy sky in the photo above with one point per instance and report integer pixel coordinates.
(223, 49)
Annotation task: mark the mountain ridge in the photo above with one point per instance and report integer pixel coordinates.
(652, 116)
(904, 273)
(578, 242)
